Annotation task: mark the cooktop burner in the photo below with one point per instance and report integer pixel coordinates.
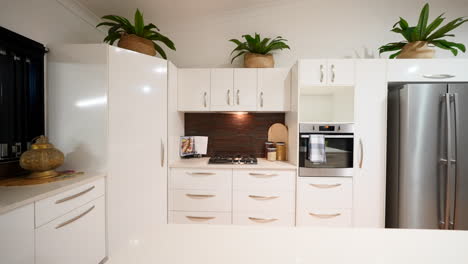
(235, 159)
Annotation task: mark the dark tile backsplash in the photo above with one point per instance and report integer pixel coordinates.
(232, 133)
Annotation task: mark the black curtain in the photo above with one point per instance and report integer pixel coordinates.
(21, 93)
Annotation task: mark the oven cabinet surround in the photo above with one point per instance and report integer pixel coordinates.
(323, 72)
(234, 89)
(232, 196)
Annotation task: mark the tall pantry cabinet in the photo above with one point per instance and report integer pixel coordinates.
(107, 111)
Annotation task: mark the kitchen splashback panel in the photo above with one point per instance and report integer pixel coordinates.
(232, 133)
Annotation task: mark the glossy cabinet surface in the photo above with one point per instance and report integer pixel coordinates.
(17, 236)
(339, 72)
(245, 89)
(194, 89)
(222, 89)
(274, 89)
(422, 70)
(312, 72)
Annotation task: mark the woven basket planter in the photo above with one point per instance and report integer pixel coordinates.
(138, 44)
(254, 60)
(416, 50)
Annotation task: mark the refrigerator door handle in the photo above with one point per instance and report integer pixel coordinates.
(444, 203)
(453, 162)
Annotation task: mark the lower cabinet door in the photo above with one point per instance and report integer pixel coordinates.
(213, 218)
(263, 219)
(77, 237)
(324, 217)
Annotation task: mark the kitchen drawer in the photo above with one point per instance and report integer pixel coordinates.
(60, 204)
(324, 192)
(213, 218)
(258, 180)
(200, 200)
(265, 219)
(263, 201)
(324, 217)
(77, 237)
(200, 179)
(440, 70)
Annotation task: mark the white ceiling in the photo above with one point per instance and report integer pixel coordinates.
(163, 12)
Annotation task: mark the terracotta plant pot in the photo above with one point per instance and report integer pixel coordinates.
(254, 60)
(416, 50)
(138, 44)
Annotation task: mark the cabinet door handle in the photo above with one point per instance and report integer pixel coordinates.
(262, 220)
(229, 97)
(75, 218)
(438, 76)
(261, 99)
(238, 97)
(200, 218)
(201, 173)
(322, 73)
(361, 146)
(263, 174)
(333, 73)
(75, 195)
(325, 216)
(325, 186)
(264, 198)
(162, 153)
(200, 196)
(204, 99)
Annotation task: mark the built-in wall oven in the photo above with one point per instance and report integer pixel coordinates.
(337, 149)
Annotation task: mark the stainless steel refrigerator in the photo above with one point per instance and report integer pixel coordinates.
(427, 161)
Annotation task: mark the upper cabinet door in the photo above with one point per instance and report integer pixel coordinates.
(194, 90)
(274, 89)
(422, 70)
(312, 72)
(340, 72)
(245, 90)
(222, 89)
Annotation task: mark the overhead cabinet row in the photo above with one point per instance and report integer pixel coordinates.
(203, 90)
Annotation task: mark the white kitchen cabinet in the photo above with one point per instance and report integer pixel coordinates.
(263, 219)
(370, 144)
(222, 89)
(338, 72)
(245, 89)
(17, 236)
(207, 218)
(194, 90)
(422, 70)
(274, 89)
(77, 237)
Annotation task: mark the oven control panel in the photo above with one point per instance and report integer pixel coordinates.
(326, 128)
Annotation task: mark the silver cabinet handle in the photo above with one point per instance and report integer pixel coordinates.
(162, 153)
(263, 174)
(361, 146)
(322, 73)
(263, 198)
(325, 186)
(229, 97)
(333, 73)
(325, 216)
(75, 218)
(261, 99)
(201, 173)
(75, 195)
(200, 196)
(438, 76)
(238, 97)
(204, 99)
(200, 218)
(262, 220)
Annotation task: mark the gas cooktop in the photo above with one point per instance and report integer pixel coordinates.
(234, 159)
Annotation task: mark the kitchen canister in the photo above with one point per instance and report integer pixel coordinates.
(268, 145)
(271, 154)
(281, 151)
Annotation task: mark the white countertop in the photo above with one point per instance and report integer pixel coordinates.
(202, 163)
(13, 197)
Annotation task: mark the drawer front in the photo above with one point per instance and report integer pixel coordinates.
(60, 204)
(64, 239)
(259, 180)
(315, 192)
(324, 217)
(263, 219)
(200, 179)
(200, 200)
(213, 218)
(440, 70)
(263, 201)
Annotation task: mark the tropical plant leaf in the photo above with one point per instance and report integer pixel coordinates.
(163, 39)
(441, 44)
(255, 44)
(423, 19)
(436, 23)
(392, 47)
(394, 55)
(403, 24)
(160, 51)
(110, 24)
(447, 28)
(238, 54)
(139, 23)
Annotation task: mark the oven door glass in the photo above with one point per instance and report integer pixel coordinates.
(338, 152)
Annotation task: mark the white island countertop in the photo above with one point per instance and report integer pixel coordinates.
(202, 163)
(13, 197)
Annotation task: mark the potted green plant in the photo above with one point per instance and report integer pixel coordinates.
(137, 37)
(257, 51)
(418, 38)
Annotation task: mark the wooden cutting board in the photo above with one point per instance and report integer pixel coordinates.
(278, 133)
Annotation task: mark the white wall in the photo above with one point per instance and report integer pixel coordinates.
(314, 28)
(50, 21)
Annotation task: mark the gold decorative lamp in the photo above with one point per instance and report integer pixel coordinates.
(42, 159)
